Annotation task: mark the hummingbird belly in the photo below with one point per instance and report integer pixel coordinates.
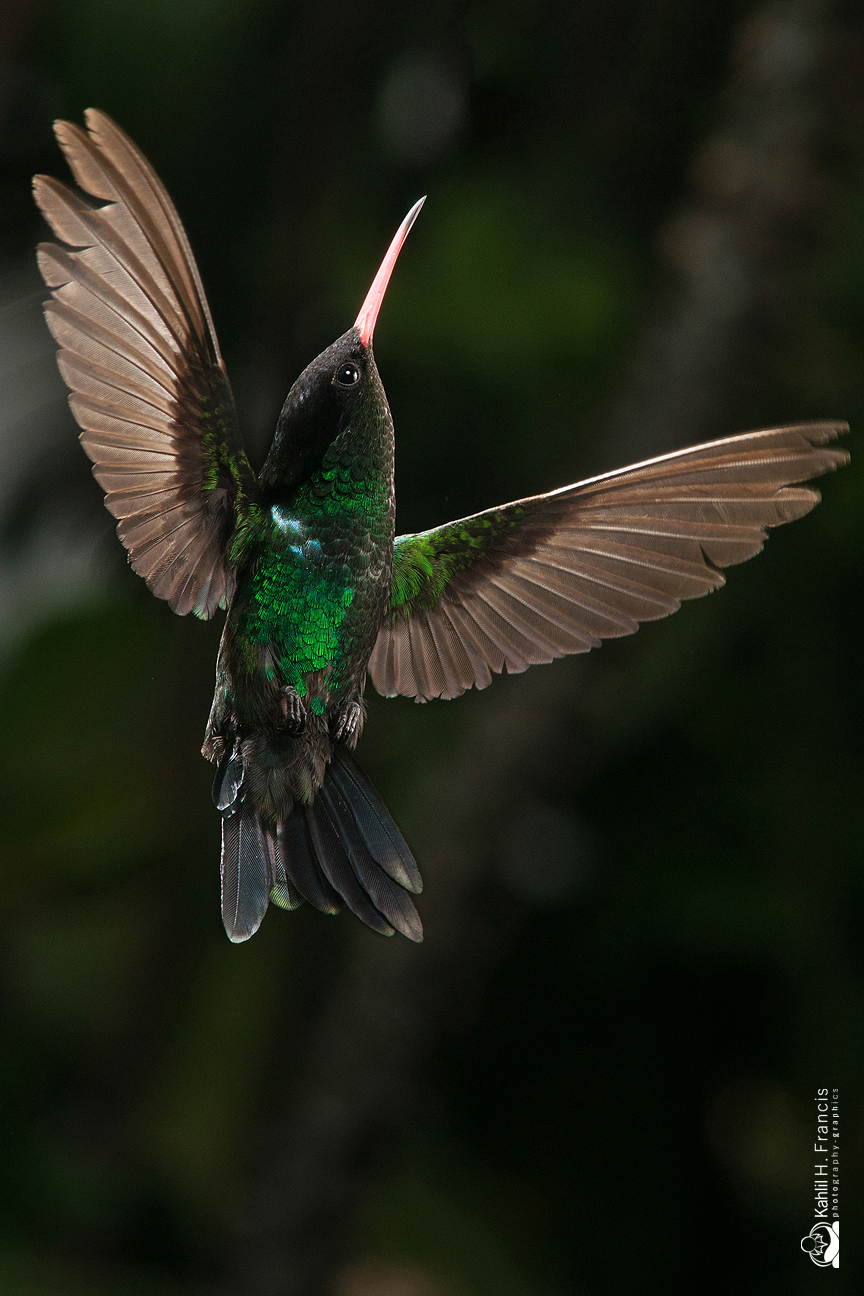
(297, 640)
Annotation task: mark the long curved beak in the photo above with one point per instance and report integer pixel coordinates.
(365, 322)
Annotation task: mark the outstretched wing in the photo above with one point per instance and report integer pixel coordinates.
(139, 352)
(558, 573)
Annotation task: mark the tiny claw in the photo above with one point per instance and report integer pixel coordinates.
(349, 724)
(294, 713)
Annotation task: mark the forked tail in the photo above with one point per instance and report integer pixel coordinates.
(343, 849)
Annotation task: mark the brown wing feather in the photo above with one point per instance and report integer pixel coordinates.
(559, 573)
(140, 356)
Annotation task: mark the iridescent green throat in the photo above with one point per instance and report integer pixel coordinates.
(312, 570)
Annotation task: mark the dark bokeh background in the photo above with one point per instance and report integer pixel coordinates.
(645, 226)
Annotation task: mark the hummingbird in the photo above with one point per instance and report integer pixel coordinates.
(318, 590)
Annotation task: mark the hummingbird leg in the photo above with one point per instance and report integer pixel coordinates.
(294, 714)
(349, 723)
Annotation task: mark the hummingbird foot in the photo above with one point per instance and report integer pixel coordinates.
(294, 713)
(349, 724)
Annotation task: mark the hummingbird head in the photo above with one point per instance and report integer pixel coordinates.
(337, 387)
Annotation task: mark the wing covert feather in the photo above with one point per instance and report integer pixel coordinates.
(558, 573)
(140, 357)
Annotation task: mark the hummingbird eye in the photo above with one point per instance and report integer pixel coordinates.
(347, 375)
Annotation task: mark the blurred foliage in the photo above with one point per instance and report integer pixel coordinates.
(629, 1109)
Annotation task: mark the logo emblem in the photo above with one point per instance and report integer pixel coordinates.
(822, 1244)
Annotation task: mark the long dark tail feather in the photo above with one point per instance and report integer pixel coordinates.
(334, 862)
(246, 872)
(282, 890)
(297, 860)
(383, 839)
(388, 897)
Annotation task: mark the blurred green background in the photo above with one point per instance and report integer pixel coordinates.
(658, 959)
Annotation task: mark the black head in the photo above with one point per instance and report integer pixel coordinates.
(332, 390)
(324, 399)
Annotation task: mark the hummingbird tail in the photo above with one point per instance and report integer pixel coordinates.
(344, 848)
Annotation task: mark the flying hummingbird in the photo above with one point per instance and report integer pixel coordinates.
(303, 558)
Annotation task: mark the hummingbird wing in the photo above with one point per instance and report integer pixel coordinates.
(139, 352)
(558, 573)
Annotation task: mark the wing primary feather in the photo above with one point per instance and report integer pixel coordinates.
(570, 589)
(117, 145)
(455, 662)
(522, 610)
(648, 604)
(97, 235)
(424, 655)
(403, 664)
(63, 270)
(486, 652)
(518, 651)
(81, 334)
(93, 375)
(96, 169)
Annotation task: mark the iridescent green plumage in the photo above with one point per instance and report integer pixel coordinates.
(424, 564)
